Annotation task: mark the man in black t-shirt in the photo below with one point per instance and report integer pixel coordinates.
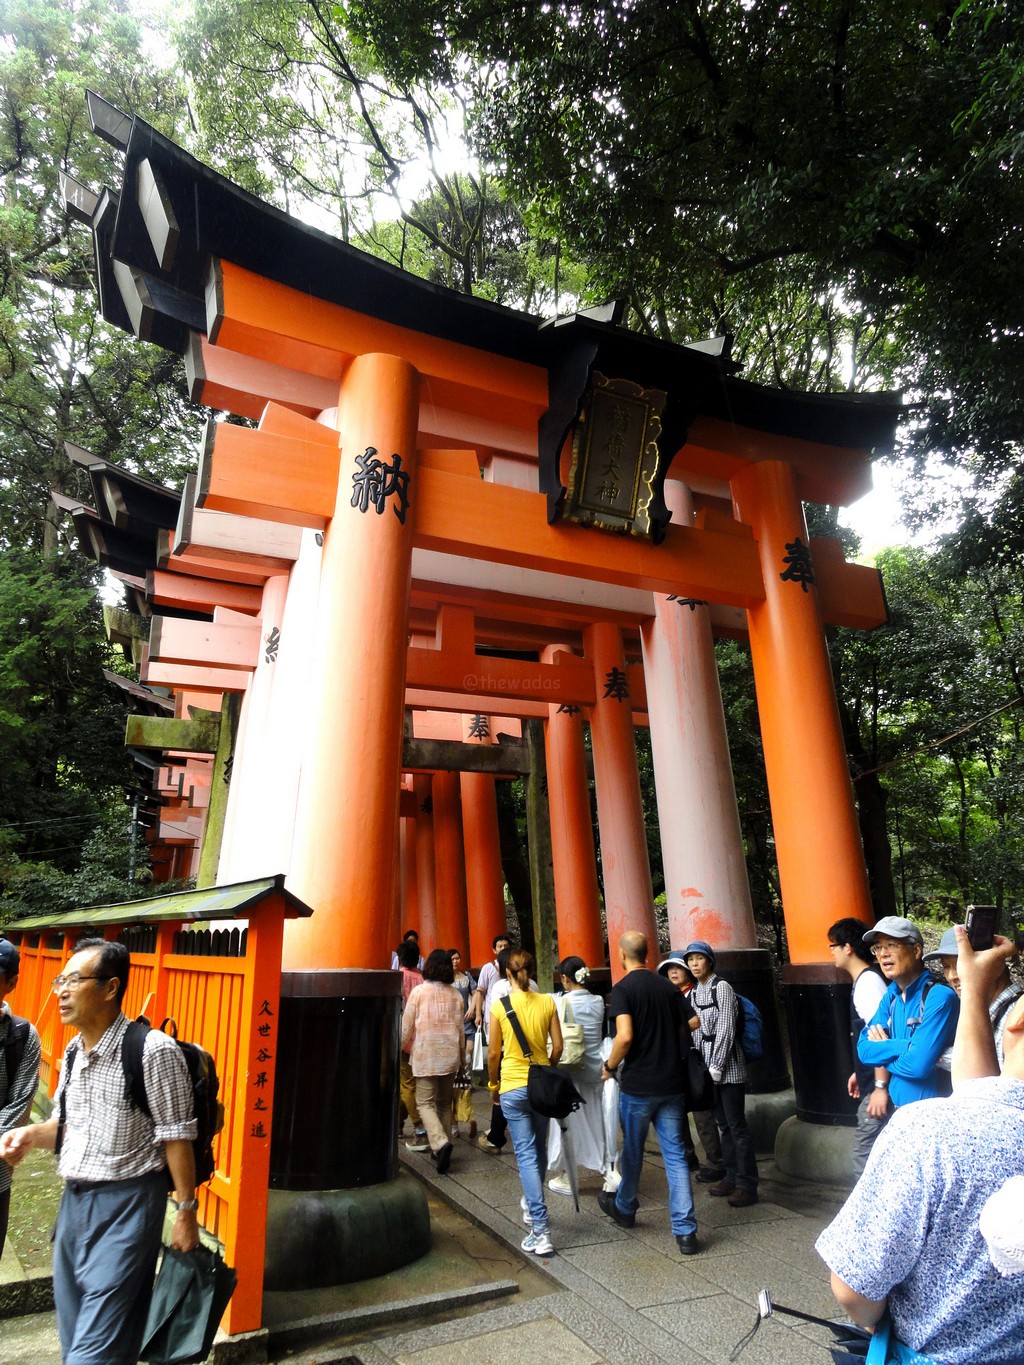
(651, 1029)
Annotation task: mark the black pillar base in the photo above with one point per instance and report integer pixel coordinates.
(749, 972)
(817, 999)
(336, 1085)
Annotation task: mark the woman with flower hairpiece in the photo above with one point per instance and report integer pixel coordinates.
(586, 1126)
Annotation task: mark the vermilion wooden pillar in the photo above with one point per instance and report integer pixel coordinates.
(345, 851)
(449, 864)
(817, 841)
(485, 879)
(426, 880)
(628, 898)
(409, 902)
(574, 863)
(706, 888)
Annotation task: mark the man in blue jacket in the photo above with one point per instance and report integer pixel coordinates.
(916, 1019)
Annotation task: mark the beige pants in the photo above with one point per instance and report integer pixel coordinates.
(407, 1092)
(434, 1099)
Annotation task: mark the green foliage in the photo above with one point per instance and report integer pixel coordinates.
(61, 735)
(833, 183)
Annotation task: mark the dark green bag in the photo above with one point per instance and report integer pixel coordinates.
(192, 1290)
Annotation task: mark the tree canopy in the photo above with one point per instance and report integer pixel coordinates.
(837, 183)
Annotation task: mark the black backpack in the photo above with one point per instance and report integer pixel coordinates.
(202, 1072)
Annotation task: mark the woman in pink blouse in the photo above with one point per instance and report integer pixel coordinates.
(432, 1034)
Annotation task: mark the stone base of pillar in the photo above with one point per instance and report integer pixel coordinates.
(766, 1114)
(317, 1238)
(816, 1153)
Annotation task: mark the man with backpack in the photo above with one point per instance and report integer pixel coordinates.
(19, 1070)
(720, 1034)
(916, 1019)
(114, 1160)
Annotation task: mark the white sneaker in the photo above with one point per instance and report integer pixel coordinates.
(538, 1242)
(560, 1184)
(526, 1212)
(612, 1181)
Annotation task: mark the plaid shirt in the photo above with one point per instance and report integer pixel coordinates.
(16, 1095)
(719, 1045)
(107, 1137)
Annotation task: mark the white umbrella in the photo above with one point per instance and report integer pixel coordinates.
(569, 1158)
(610, 1115)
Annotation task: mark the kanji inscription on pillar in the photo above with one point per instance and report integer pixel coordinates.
(615, 685)
(374, 482)
(615, 456)
(479, 728)
(264, 1047)
(799, 568)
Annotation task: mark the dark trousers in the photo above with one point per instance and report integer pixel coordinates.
(737, 1146)
(496, 1134)
(104, 1256)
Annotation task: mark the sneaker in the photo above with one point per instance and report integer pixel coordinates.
(612, 1180)
(455, 1130)
(537, 1242)
(710, 1175)
(560, 1184)
(606, 1203)
(526, 1212)
(419, 1143)
(486, 1145)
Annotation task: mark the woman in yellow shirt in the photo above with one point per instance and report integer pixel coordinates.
(538, 1020)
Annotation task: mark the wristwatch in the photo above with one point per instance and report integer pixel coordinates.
(186, 1205)
(881, 1085)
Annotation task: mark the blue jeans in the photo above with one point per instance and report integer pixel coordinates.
(666, 1112)
(530, 1141)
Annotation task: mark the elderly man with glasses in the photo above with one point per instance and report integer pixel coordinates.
(916, 1019)
(114, 1161)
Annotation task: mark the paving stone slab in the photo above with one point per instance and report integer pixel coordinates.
(717, 1324)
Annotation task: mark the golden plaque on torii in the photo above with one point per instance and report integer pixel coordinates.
(615, 457)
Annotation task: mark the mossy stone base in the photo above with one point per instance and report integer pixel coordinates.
(817, 1152)
(317, 1238)
(766, 1114)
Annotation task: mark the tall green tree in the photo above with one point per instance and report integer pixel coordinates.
(846, 170)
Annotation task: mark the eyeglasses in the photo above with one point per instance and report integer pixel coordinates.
(73, 980)
(902, 946)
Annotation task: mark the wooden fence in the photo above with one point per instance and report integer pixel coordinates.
(222, 989)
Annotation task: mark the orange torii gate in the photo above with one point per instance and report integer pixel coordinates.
(414, 508)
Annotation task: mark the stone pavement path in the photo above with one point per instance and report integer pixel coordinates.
(609, 1294)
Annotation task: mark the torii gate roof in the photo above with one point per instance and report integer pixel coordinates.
(159, 241)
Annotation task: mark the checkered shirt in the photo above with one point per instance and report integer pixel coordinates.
(15, 1097)
(107, 1137)
(719, 1045)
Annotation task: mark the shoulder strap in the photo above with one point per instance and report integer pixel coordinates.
(1011, 999)
(14, 1047)
(132, 1045)
(568, 1017)
(517, 1027)
(69, 1065)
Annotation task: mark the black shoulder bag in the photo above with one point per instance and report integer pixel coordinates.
(550, 1091)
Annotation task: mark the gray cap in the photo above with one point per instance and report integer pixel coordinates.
(948, 947)
(894, 926)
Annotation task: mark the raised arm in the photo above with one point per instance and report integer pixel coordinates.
(974, 1047)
